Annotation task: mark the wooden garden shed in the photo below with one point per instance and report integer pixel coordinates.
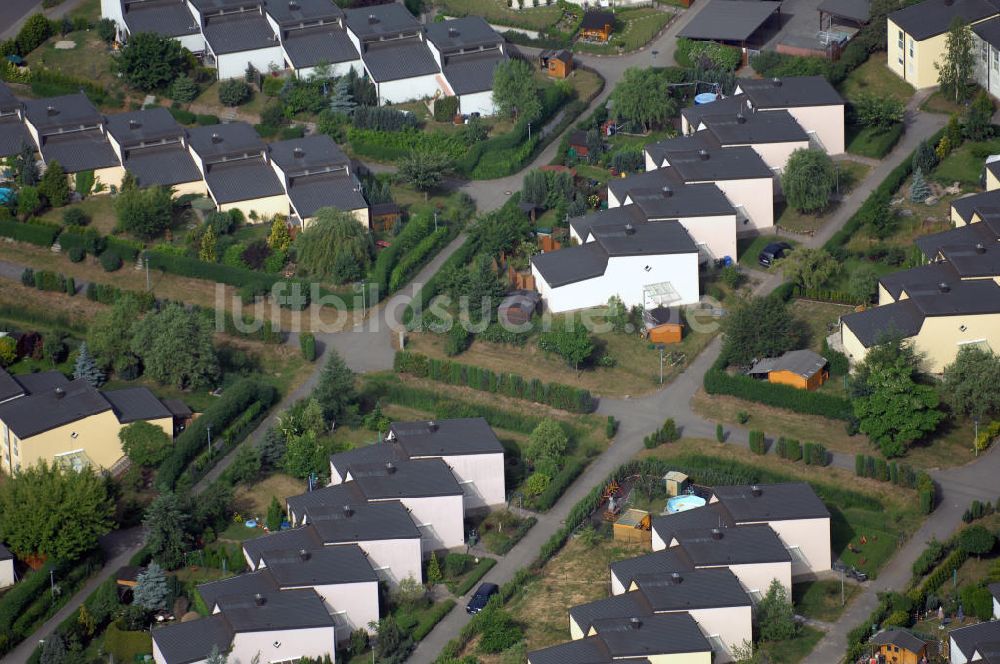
(634, 526)
(663, 325)
(900, 646)
(801, 369)
(676, 483)
(597, 25)
(557, 64)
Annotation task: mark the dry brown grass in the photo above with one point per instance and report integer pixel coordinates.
(255, 499)
(48, 303)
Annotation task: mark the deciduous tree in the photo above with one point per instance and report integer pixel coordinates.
(957, 64)
(971, 383)
(775, 615)
(150, 61)
(110, 335)
(569, 340)
(643, 97)
(54, 185)
(144, 443)
(176, 347)
(424, 169)
(809, 267)
(333, 233)
(515, 91)
(29, 201)
(978, 119)
(144, 213)
(547, 440)
(808, 180)
(758, 327)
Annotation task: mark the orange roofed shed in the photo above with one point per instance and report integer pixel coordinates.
(802, 369)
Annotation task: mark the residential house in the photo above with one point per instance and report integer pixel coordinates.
(233, 160)
(317, 174)
(152, 146)
(69, 130)
(168, 18)
(277, 627)
(739, 172)
(774, 135)
(900, 646)
(976, 643)
(801, 369)
(986, 49)
(47, 417)
(977, 207)
(394, 52)
(6, 567)
(557, 64)
(916, 36)
(384, 531)
(238, 35)
(312, 34)
(467, 50)
(658, 563)
(666, 638)
(341, 575)
(13, 134)
(647, 264)
(702, 209)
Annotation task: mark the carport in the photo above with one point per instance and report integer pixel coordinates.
(733, 22)
(854, 12)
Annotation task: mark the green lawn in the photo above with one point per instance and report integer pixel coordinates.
(849, 174)
(938, 103)
(820, 600)
(794, 650)
(748, 248)
(965, 164)
(872, 142)
(100, 210)
(497, 11)
(865, 533)
(875, 78)
(90, 60)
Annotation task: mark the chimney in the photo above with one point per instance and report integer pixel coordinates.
(298, 153)
(755, 491)
(348, 511)
(703, 154)
(51, 110)
(133, 124)
(390, 467)
(292, 4)
(777, 81)
(667, 192)
(980, 248)
(372, 19)
(716, 533)
(452, 32)
(740, 118)
(60, 393)
(216, 138)
(303, 555)
(944, 287)
(432, 425)
(629, 229)
(258, 599)
(634, 622)
(676, 578)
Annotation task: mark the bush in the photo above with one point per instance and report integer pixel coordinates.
(720, 434)
(758, 444)
(42, 235)
(445, 108)
(207, 120)
(77, 254)
(234, 91)
(110, 261)
(75, 217)
(611, 427)
(182, 116)
(307, 344)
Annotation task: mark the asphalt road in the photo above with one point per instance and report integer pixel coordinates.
(11, 13)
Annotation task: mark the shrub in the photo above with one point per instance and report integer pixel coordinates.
(456, 340)
(206, 120)
(611, 427)
(758, 444)
(307, 344)
(445, 108)
(720, 434)
(77, 254)
(75, 217)
(42, 235)
(110, 261)
(234, 91)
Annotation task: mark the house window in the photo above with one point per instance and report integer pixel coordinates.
(899, 40)
(984, 52)
(911, 47)
(996, 59)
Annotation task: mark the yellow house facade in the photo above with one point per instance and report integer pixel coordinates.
(916, 36)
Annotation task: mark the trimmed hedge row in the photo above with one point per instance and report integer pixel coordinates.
(42, 235)
(939, 576)
(825, 295)
(415, 231)
(414, 259)
(477, 573)
(788, 448)
(717, 381)
(432, 618)
(522, 530)
(462, 256)
(566, 476)
(758, 444)
(230, 406)
(557, 395)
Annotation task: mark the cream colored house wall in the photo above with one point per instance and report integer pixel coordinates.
(733, 626)
(197, 187)
(956, 218)
(7, 573)
(574, 630)
(811, 536)
(756, 197)
(394, 560)
(361, 214)
(856, 350)
(758, 577)
(776, 155)
(109, 177)
(883, 296)
(914, 60)
(281, 646)
(826, 121)
(264, 207)
(991, 181)
(940, 337)
(682, 658)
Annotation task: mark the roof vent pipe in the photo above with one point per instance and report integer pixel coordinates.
(667, 192)
(51, 110)
(372, 19)
(348, 511)
(755, 491)
(944, 287)
(60, 393)
(703, 154)
(740, 118)
(432, 425)
(216, 138)
(303, 555)
(390, 467)
(629, 229)
(675, 577)
(298, 152)
(258, 599)
(635, 622)
(133, 124)
(716, 533)
(776, 81)
(980, 248)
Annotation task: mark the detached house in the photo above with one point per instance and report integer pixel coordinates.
(774, 136)
(278, 626)
(167, 18)
(312, 33)
(13, 134)
(233, 161)
(237, 35)
(152, 146)
(68, 129)
(976, 643)
(467, 50)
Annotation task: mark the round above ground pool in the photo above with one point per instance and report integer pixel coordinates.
(683, 503)
(705, 98)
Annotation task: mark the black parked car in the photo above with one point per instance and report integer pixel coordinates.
(773, 252)
(482, 596)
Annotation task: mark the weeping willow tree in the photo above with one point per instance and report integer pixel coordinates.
(335, 246)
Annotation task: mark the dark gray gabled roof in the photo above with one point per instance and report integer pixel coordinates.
(706, 516)
(336, 495)
(327, 565)
(923, 279)
(147, 125)
(623, 214)
(994, 589)
(803, 362)
(729, 20)
(903, 638)
(5, 553)
(8, 102)
(452, 437)
(771, 502)
(397, 60)
(663, 237)
(220, 140)
(853, 10)
(699, 140)
(79, 151)
(571, 264)
(700, 199)
(10, 388)
(136, 403)
(739, 545)
(732, 163)
(311, 193)
(381, 20)
(971, 297)
(747, 128)
(237, 33)
(580, 651)
(66, 111)
(989, 31)
(967, 205)
(654, 179)
(42, 381)
(932, 17)
(732, 104)
(41, 411)
(790, 92)
(462, 33)
(164, 165)
(697, 589)
(649, 636)
(293, 12)
(242, 585)
(242, 179)
(664, 561)
(472, 72)
(280, 610)
(876, 325)
(169, 18)
(14, 136)
(969, 639)
(363, 522)
(186, 642)
(307, 155)
(328, 44)
(294, 539)
(972, 250)
(365, 454)
(596, 19)
(419, 478)
(625, 605)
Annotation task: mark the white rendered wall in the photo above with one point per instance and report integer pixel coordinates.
(277, 646)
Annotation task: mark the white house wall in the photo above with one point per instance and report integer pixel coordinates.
(625, 276)
(234, 65)
(481, 477)
(440, 520)
(337, 69)
(826, 121)
(716, 233)
(732, 625)
(811, 537)
(6, 573)
(758, 577)
(265, 207)
(996, 609)
(396, 559)
(477, 102)
(617, 587)
(407, 89)
(756, 197)
(776, 155)
(113, 9)
(194, 43)
(955, 654)
(280, 646)
(352, 605)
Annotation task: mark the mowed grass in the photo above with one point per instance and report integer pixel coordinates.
(99, 209)
(255, 498)
(821, 600)
(874, 77)
(794, 650)
(964, 165)
(497, 11)
(820, 318)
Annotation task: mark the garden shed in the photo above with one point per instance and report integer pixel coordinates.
(802, 369)
(676, 483)
(634, 526)
(597, 25)
(557, 64)
(663, 325)
(900, 646)
(518, 307)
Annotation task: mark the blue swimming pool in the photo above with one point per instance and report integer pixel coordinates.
(683, 503)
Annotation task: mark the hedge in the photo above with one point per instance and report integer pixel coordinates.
(566, 476)
(422, 299)
(939, 576)
(126, 646)
(788, 448)
(107, 294)
(758, 444)
(477, 573)
(717, 381)
(42, 235)
(234, 401)
(826, 295)
(557, 395)
(87, 239)
(815, 454)
(414, 259)
(433, 617)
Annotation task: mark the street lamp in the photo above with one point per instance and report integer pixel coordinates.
(529, 131)
(361, 286)
(661, 347)
(654, 53)
(975, 440)
(209, 433)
